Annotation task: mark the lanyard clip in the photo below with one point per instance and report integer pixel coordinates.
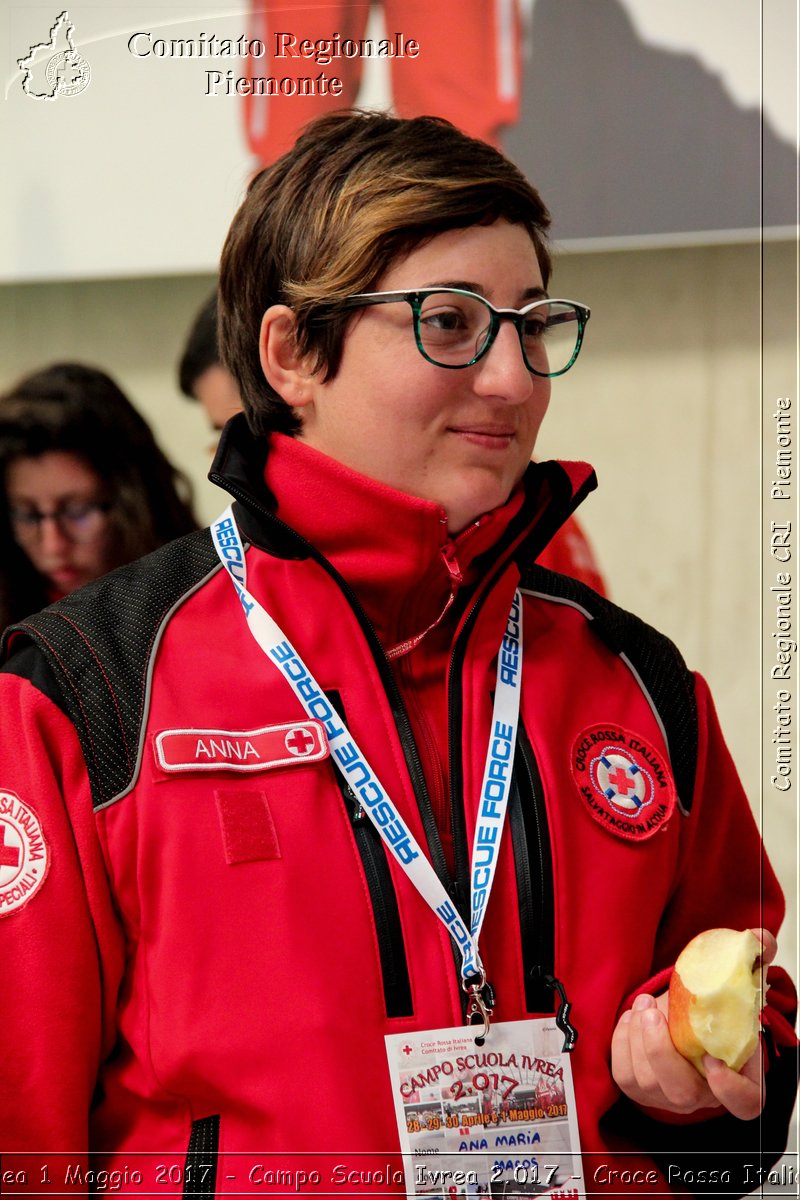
(481, 1004)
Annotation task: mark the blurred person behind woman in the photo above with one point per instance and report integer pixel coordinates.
(84, 487)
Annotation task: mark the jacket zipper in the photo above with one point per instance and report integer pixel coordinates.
(527, 817)
(385, 912)
(461, 884)
(391, 947)
(534, 868)
(200, 1170)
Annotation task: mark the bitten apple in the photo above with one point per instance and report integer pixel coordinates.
(715, 997)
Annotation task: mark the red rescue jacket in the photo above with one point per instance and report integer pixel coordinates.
(204, 976)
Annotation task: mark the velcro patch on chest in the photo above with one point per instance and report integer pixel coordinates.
(294, 744)
(626, 783)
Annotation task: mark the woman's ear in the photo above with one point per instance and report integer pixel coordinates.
(284, 368)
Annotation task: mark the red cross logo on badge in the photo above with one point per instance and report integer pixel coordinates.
(300, 742)
(627, 786)
(10, 853)
(625, 781)
(24, 854)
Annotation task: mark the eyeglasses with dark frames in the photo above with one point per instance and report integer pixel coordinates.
(455, 328)
(79, 521)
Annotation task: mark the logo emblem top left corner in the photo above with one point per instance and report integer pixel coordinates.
(55, 68)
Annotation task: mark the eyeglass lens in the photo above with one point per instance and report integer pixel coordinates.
(453, 330)
(78, 522)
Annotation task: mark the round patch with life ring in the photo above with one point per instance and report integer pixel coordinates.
(24, 853)
(624, 781)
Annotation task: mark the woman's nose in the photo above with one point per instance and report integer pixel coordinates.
(502, 371)
(51, 535)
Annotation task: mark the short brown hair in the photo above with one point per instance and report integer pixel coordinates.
(357, 192)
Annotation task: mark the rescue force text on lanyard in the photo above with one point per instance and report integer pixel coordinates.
(396, 835)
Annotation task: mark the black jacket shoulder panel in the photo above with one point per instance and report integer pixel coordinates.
(655, 660)
(98, 646)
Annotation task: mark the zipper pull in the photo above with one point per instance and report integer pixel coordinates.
(451, 562)
(357, 814)
(562, 1015)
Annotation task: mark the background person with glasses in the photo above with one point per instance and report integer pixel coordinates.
(243, 742)
(85, 487)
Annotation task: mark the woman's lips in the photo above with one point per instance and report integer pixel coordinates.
(64, 576)
(489, 438)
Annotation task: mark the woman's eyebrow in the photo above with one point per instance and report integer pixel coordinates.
(80, 497)
(465, 285)
(469, 285)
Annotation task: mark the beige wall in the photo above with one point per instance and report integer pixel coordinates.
(665, 402)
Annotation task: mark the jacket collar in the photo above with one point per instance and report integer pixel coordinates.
(393, 550)
(553, 490)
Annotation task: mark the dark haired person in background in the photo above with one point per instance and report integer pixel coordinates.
(84, 486)
(201, 374)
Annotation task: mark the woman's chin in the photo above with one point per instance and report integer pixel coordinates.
(67, 579)
(464, 511)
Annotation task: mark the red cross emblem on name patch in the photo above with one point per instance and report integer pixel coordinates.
(265, 749)
(624, 780)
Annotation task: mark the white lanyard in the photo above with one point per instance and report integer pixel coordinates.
(360, 777)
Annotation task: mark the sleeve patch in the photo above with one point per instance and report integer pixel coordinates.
(24, 853)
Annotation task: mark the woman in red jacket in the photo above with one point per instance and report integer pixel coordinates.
(351, 773)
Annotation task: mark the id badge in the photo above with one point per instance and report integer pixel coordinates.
(491, 1120)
